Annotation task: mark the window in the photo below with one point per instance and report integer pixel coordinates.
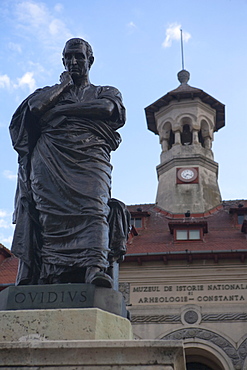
(171, 139)
(138, 218)
(186, 135)
(181, 235)
(136, 222)
(194, 234)
(239, 214)
(188, 234)
(244, 227)
(240, 219)
(200, 138)
(187, 230)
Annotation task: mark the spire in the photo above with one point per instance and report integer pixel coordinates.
(183, 75)
(182, 48)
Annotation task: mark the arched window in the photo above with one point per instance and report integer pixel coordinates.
(186, 135)
(204, 135)
(171, 139)
(200, 138)
(167, 136)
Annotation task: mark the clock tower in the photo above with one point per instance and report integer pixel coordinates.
(185, 120)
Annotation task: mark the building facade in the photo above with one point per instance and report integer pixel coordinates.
(185, 276)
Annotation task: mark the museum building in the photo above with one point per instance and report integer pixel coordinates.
(184, 276)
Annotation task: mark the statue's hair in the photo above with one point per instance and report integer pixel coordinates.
(76, 41)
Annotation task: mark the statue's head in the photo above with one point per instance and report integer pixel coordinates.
(80, 50)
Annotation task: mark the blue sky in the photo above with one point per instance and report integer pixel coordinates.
(137, 49)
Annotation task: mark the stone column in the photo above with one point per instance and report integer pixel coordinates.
(207, 142)
(164, 145)
(177, 138)
(195, 138)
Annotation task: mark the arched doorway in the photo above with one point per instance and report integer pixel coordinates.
(201, 353)
(197, 366)
(200, 359)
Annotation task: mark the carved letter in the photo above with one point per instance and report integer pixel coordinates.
(54, 298)
(20, 297)
(83, 296)
(31, 296)
(72, 297)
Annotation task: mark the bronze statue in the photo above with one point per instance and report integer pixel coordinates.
(64, 135)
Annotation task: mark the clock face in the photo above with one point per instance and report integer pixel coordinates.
(187, 174)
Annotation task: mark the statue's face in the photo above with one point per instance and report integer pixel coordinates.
(75, 60)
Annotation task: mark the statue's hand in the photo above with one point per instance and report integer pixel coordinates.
(66, 78)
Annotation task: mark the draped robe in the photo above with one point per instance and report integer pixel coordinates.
(64, 183)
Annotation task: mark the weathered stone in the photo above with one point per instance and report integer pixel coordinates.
(62, 324)
(186, 130)
(93, 355)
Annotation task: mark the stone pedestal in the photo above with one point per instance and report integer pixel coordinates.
(92, 355)
(79, 339)
(62, 324)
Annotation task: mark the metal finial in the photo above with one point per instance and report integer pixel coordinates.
(183, 76)
(182, 48)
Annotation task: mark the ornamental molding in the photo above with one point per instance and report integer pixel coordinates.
(124, 288)
(189, 318)
(237, 356)
(224, 317)
(155, 319)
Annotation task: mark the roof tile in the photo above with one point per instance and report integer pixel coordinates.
(224, 234)
(8, 270)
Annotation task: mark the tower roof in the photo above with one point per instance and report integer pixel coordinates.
(185, 91)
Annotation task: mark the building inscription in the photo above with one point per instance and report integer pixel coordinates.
(188, 293)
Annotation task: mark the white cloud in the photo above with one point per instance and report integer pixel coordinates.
(37, 67)
(58, 7)
(10, 176)
(32, 13)
(5, 220)
(6, 228)
(36, 17)
(173, 33)
(6, 241)
(15, 47)
(131, 25)
(55, 27)
(27, 80)
(5, 81)
(3, 213)
(4, 224)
